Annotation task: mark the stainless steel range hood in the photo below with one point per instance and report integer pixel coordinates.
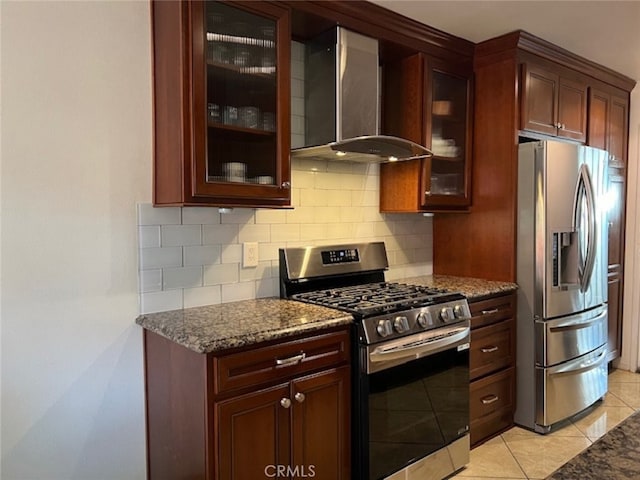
(342, 95)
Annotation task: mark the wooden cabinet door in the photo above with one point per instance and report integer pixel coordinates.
(598, 130)
(616, 220)
(618, 130)
(539, 100)
(321, 439)
(572, 109)
(254, 433)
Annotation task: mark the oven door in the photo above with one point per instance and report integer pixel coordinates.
(413, 408)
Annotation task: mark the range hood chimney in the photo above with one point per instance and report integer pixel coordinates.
(342, 95)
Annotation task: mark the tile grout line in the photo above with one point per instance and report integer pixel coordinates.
(514, 457)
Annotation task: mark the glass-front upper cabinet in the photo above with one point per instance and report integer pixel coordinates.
(429, 103)
(446, 176)
(236, 107)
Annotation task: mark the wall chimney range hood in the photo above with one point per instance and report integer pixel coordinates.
(342, 95)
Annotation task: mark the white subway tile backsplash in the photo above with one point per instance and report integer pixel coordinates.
(180, 235)
(201, 296)
(297, 125)
(151, 258)
(265, 216)
(301, 215)
(338, 198)
(303, 179)
(297, 141)
(262, 271)
(313, 231)
(150, 215)
(310, 164)
(150, 280)
(297, 107)
(231, 253)
(297, 51)
(310, 197)
(238, 215)
(297, 88)
(281, 233)
(183, 277)
(200, 216)
(327, 215)
(219, 234)
(160, 301)
(238, 291)
(202, 255)
(219, 274)
(149, 236)
(254, 233)
(268, 251)
(363, 230)
(340, 167)
(297, 69)
(267, 287)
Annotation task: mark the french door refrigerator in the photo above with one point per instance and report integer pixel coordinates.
(562, 279)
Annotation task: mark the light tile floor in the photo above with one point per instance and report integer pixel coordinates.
(521, 454)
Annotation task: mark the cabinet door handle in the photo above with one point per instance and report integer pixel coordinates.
(291, 360)
(285, 185)
(299, 397)
(489, 312)
(427, 193)
(489, 399)
(285, 402)
(490, 349)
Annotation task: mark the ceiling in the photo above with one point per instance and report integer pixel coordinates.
(603, 31)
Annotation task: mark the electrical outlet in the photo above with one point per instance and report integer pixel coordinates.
(249, 254)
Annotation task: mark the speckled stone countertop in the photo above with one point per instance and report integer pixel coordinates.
(472, 288)
(219, 327)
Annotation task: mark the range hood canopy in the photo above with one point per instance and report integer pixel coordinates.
(342, 96)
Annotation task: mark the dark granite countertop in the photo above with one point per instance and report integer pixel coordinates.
(219, 327)
(472, 288)
(214, 328)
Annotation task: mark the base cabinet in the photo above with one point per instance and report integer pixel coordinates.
(275, 411)
(492, 366)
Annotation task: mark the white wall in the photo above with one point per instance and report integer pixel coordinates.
(76, 157)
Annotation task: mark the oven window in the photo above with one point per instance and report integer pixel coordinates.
(415, 409)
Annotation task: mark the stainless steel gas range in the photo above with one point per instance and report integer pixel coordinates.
(410, 363)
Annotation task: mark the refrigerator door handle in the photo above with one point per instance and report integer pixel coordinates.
(584, 200)
(578, 366)
(591, 220)
(578, 324)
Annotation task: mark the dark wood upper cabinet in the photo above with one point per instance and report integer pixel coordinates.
(222, 104)
(428, 102)
(618, 129)
(553, 104)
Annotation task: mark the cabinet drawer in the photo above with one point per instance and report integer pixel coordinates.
(491, 394)
(276, 362)
(492, 348)
(492, 310)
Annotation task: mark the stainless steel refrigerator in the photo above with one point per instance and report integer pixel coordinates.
(562, 279)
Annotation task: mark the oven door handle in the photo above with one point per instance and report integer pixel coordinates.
(420, 348)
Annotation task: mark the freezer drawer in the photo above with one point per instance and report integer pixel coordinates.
(569, 337)
(569, 388)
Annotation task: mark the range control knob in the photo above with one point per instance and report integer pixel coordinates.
(384, 328)
(446, 314)
(401, 324)
(459, 311)
(424, 319)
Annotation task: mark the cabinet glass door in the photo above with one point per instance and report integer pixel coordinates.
(241, 96)
(240, 106)
(447, 169)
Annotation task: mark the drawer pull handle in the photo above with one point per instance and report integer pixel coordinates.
(489, 399)
(489, 312)
(285, 402)
(296, 359)
(491, 349)
(299, 397)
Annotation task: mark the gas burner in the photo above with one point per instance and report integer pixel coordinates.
(375, 298)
